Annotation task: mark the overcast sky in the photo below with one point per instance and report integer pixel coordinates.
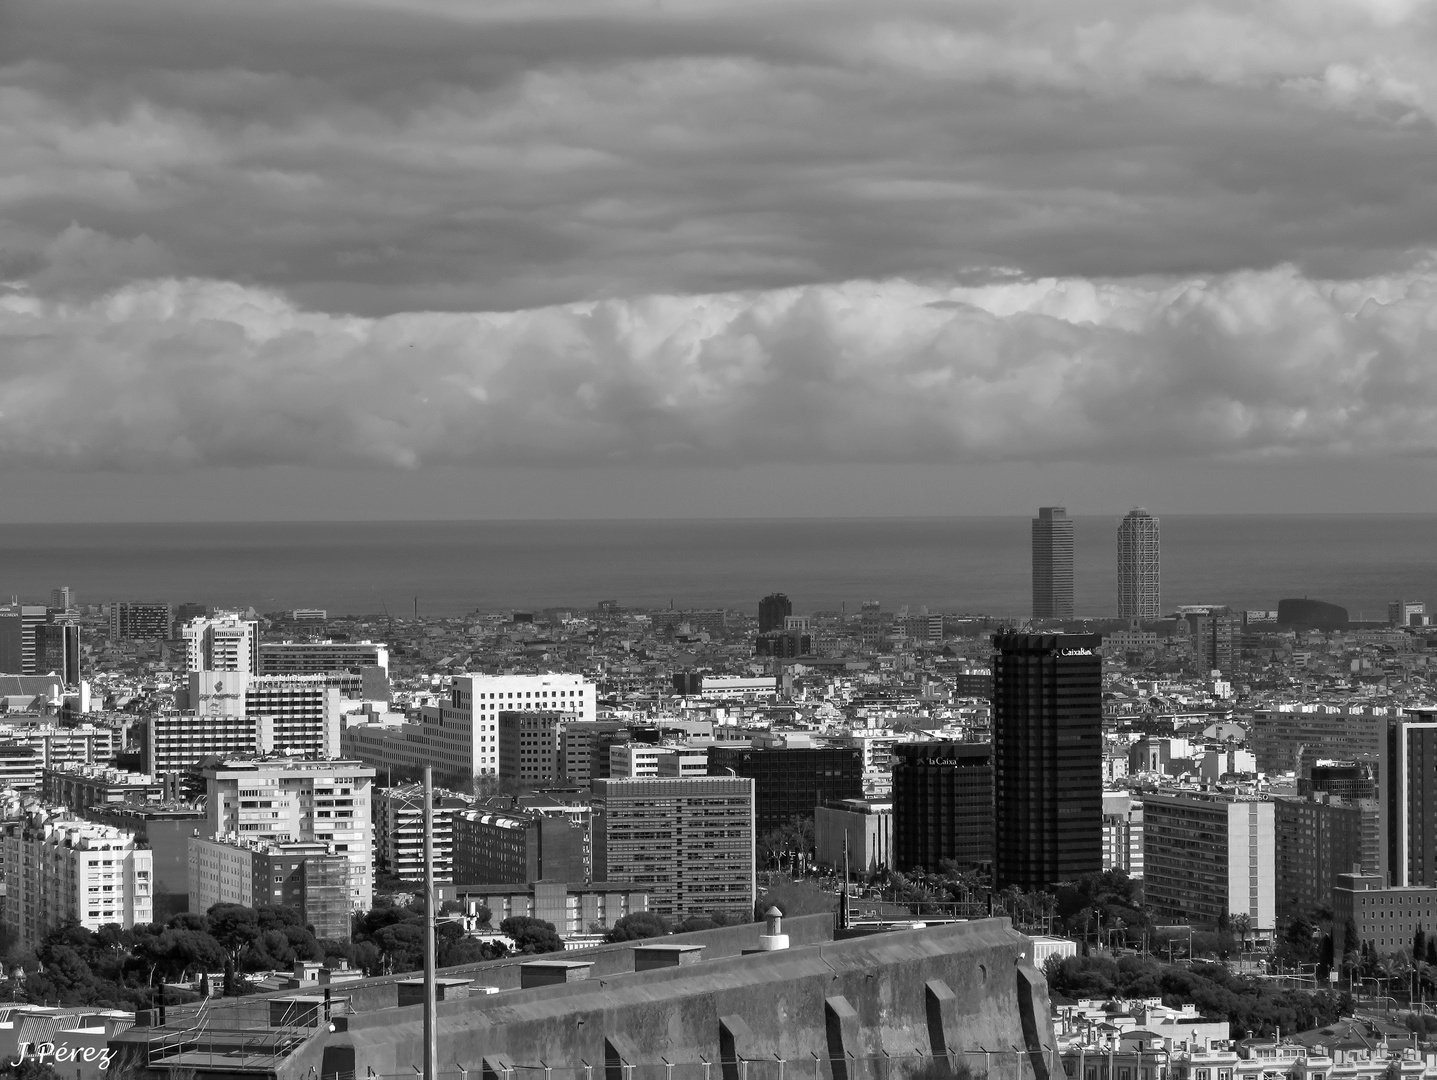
(457, 259)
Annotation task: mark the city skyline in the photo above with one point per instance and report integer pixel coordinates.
(328, 263)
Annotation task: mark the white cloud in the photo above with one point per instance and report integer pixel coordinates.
(182, 373)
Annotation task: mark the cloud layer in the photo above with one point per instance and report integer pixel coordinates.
(394, 233)
(186, 373)
(376, 156)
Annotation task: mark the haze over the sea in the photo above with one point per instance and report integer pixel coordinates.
(976, 564)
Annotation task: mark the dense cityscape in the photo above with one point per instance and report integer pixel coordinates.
(1228, 807)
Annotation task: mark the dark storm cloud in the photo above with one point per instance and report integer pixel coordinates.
(387, 157)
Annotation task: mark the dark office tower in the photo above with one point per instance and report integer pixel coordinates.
(1052, 563)
(57, 650)
(1139, 594)
(942, 805)
(772, 610)
(18, 624)
(1047, 759)
(789, 782)
(1407, 779)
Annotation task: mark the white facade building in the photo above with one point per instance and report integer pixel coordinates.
(61, 869)
(223, 642)
(291, 800)
(460, 737)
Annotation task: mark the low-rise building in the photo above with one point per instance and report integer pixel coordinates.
(857, 833)
(573, 908)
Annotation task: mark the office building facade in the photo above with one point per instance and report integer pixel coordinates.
(791, 783)
(942, 805)
(287, 801)
(1407, 780)
(460, 738)
(1353, 784)
(1207, 858)
(772, 610)
(1047, 758)
(584, 748)
(319, 657)
(140, 621)
(1052, 563)
(1386, 917)
(857, 833)
(529, 747)
(1139, 569)
(687, 843)
(19, 626)
(57, 651)
(1292, 738)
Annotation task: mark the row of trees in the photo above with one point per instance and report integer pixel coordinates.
(1247, 1004)
(117, 968)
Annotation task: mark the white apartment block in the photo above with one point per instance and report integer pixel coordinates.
(460, 738)
(633, 760)
(293, 800)
(234, 714)
(63, 869)
(1210, 855)
(223, 642)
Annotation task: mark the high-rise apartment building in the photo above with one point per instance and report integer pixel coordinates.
(1139, 594)
(62, 599)
(1217, 640)
(772, 610)
(1123, 833)
(399, 832)
(140, 621)
(1052, 563)
(282, 801)
(305, 876)
(222, 642)
(1208, 857)
(63, 870)
(790, 782)
(942, 805)
(688, 843)
(1047, 758)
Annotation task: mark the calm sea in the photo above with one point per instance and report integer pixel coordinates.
(950, 564)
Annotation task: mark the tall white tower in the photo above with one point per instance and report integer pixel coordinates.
(1138, 588)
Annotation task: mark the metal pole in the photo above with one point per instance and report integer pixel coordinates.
(431, 1041)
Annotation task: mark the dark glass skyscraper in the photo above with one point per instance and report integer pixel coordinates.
(1047, 758)
(1052, 563)
(772, 610)
(942, 805)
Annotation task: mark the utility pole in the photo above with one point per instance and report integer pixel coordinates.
(431, 1038)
